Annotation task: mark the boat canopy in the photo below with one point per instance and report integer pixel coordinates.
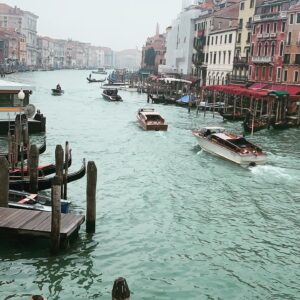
(14, 86)
(186, 98)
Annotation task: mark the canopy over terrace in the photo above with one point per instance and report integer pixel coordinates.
(238, 90)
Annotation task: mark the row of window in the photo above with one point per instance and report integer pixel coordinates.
(220, 57)
(242, 6)
(294, 19)
(266, 73)
(214, 40)
(266, 27)
(267, 49)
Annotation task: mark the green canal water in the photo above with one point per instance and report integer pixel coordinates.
(176, 222)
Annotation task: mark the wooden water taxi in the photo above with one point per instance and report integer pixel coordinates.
(148, 119)
(230, 146)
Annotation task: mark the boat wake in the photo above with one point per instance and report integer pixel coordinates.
(268, 170)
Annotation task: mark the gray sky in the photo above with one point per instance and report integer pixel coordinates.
(119, 24)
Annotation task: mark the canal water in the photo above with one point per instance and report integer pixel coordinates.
(176, 222)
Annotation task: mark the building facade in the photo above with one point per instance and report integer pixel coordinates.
(291, 61)
(268, 41)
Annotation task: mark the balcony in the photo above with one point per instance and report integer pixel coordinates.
(266, 35)
(273, 35)
(240, 26)
(262, 59)
(249, 25)
(270, 16)
(238, 79)
(259, 35)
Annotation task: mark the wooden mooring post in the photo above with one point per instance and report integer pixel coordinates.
(55, 214)
(33, 163)
(91, 197)
(65, 189)
(59, 162)
(4, 182)
(120, 290)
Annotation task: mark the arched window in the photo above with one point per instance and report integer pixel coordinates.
(266, 49)
(281, 48)
(273, 49)
(259, 49)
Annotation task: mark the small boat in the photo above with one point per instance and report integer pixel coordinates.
(45, 183)
(111, 95)
(57, 92)
(148, 119)
(92, 80)
(43, 170)
(100, 71)
(230, 146)
(23, 200)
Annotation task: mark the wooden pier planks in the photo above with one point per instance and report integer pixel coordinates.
(36, 222)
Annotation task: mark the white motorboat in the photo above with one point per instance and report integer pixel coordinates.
(229, 146)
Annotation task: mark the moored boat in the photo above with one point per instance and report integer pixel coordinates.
(229, 146)
(45, 183)
(23, 200)
(148, 119)
(111, 95)
(100, 71)
(14, 103)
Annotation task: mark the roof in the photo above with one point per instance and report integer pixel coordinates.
(14, 86)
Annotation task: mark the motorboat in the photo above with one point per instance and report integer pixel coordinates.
(14, 104)
(24, 200)
(111, 95)
(230, 146)
(149, 119)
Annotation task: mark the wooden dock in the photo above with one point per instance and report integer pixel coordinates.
(37, 223)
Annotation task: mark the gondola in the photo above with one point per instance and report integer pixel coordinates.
(45, 183)
(43, 170)
(23, 200)
(41, 149)
(92, 80)
(57, 92)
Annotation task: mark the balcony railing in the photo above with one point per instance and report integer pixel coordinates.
(270, 16)
(266, 35)
(273, 35)
(262, 59)
(238, 79)
(249, 25)
(259, 35)
(240, 60)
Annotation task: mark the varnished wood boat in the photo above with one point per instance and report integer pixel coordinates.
(230, 146)
(45, 183)
(148, 119)
(23, 200)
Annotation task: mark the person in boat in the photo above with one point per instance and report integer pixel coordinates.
(58, 87)
(90, 76)
(207, 133)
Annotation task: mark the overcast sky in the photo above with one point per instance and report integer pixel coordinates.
(118, 24)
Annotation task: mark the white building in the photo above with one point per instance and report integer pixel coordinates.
(180, 38)
(221, 42)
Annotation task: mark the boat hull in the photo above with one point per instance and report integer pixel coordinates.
(238, 158)
(152, 126)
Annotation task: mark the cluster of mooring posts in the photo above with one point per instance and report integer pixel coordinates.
(55, 225)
